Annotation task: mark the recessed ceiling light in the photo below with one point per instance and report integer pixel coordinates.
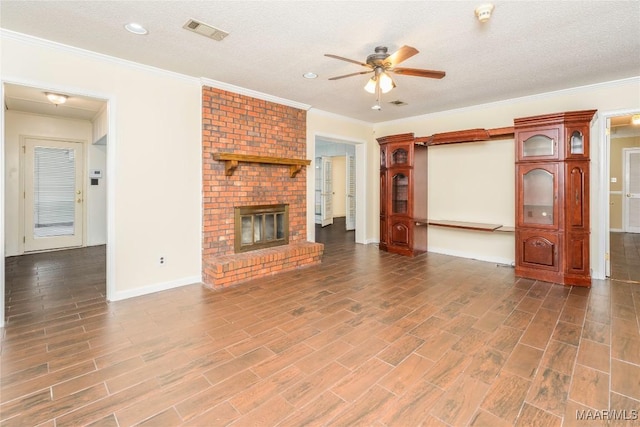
(310, 75)
(135, 28)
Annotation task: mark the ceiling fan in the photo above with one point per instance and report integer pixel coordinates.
(381, 64)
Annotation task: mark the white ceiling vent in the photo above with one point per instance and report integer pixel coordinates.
(205, 30)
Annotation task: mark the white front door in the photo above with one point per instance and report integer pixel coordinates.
(631, 196)
(327, 192)
(53, 197)
(350, 223)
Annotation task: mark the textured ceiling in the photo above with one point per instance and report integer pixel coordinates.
(526, 48)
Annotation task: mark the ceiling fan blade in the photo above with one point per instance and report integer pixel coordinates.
(352, 74)
(402, 54)
(347, 59)
(419, 73)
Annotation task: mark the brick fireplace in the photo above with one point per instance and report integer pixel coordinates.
(240, 125)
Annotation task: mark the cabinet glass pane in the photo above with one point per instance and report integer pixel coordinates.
(538, 197)
(383, 158)
(577, 143)
(537, 145)
(400, 194)
(399, 156)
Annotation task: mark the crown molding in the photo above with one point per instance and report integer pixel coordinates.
(538, 96)
(252, 93)
(48, 44)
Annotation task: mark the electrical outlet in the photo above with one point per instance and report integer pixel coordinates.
(162, 260)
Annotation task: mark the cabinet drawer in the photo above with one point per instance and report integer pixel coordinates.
(536, 249)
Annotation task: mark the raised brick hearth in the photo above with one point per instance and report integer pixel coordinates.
(240, 124)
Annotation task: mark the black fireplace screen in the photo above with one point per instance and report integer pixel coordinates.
(263, 226)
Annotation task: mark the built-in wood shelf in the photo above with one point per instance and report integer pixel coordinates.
(478, 226)
(231, 161)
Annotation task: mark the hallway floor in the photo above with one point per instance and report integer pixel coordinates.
(366, 338)
(625, 256)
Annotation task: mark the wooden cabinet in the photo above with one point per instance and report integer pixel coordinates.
(552, 197)
(403, 195)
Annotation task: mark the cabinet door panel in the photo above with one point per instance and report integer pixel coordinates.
(537, 192)
(400, 154)
(577, 142)
(577, 254)
(400, 234)
(539, 144)
(577, 195)
(538, 250)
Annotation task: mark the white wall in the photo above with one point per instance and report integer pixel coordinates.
(18, 125)
(153, 156)
(475, 181)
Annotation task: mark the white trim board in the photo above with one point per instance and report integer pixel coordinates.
(468, 255)
(157, 287)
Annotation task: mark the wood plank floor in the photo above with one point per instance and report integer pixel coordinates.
(366, 338)
(625, 256)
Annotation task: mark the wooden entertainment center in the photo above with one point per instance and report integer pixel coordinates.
(552, 226)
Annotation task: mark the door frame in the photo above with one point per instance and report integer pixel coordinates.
(601, 244)
(625, 188)
(110, 176)
(22, 207)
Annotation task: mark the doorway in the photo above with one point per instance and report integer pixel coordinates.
(335, 186)
(622, 181)
(54, 192)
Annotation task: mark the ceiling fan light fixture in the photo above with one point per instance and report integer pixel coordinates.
(386, 82)
(376, 107)
(56, 98)
(483, 12)
(371, 85)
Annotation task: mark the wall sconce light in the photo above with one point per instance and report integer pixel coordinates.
(635, 119)
(56, 98)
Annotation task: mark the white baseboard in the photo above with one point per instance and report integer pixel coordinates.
(156, 287)
(460, 254)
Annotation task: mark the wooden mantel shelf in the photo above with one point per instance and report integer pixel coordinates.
(231, 161)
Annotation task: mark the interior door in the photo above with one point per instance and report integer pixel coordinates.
(631, 204)
(53, 198)
(318, 191)
(350, 223)
(327, 192)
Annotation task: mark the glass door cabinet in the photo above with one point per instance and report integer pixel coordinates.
(402, 197)
(552, 197)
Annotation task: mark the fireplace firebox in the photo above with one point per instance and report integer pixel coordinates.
(262, 226)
